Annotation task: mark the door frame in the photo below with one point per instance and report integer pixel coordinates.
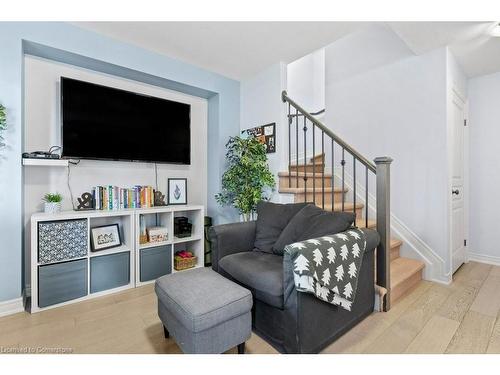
(454, 91)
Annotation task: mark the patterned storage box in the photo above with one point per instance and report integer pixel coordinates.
(62, 240)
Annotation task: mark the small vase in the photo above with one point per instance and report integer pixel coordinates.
(52, 207)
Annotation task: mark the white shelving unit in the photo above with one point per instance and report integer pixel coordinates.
(128, 221)
(164, 216)
(45, 162)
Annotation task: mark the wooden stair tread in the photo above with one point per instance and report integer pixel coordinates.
(361, 223)
(320, 157)
(319, 190)
(348, 206)
(308, 164)
(402, 269)
(302, 174)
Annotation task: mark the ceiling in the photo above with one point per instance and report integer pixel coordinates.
(241, 49)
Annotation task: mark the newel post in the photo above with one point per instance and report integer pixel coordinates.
(384, 226)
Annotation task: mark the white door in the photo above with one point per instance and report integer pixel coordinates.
(457, 183)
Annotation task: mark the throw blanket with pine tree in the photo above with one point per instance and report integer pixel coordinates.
(328, 266)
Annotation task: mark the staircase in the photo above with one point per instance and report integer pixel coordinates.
(308, 181)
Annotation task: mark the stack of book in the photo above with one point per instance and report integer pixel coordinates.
(117, 198)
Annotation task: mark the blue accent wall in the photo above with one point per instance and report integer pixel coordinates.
(73, 45)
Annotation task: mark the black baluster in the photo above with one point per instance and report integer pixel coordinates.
(305, 153)
(314, 164)
(333, 179)
(366, 198)
(289, 147)
(354, 184)
(343, 180)
(323, 169)
(297, 147)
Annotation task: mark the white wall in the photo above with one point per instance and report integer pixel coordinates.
(484, 135)
(260, 104)
(399, 110)
(306, 81)
(42, 130)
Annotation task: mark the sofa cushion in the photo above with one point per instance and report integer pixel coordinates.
(259, 271)
(312, 222)
(272, 218)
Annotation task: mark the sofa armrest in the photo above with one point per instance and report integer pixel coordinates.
(231, 239)
(372, 239)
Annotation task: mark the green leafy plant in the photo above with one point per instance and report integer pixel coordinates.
(52, 198)
(248, 178)
(3, 123)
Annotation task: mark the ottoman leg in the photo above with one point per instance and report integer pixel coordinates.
(241, 348)
(165, 331)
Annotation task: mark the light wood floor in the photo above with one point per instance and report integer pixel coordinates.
(460, 318)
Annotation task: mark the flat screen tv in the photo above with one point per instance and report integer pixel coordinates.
(105, 123)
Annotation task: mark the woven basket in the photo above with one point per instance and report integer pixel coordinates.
(184, 263)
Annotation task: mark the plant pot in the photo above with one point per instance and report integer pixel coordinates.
(52, 207)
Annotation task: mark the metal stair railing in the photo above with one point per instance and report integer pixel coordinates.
(380, 168)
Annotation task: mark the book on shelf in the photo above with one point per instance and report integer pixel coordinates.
(118, 198)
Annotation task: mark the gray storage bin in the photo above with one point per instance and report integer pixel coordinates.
(62, 282)
(62, 240)
(109, 271)
(155, 262)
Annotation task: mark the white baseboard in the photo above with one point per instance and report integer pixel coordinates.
(11, 307)
(488, 259)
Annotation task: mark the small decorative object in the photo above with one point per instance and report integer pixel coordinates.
(184, 260)
(52, 203)
(157, 234)
(248, 179)
(177, 191)
(3, 124)
(265, 134)
(182, 227)
(143, 235)
(105, 237)
(86, 202)
(159, 198)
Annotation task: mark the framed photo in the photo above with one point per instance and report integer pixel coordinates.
(177, 191)
(105, 237)
(265, 134)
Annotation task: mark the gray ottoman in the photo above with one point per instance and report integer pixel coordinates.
(204, 311)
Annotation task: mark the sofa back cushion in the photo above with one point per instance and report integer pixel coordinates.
(272, 218)
(312, 222)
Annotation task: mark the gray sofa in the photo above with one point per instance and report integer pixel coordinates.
(291, 321)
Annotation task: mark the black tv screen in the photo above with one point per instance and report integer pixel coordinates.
(100, 122)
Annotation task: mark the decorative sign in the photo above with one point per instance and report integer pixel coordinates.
(86, 202)
(266, 134)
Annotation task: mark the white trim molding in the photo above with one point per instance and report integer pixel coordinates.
(481, 258)
(13, 306)
(413, 246)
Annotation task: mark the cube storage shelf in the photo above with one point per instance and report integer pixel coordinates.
(83, 274)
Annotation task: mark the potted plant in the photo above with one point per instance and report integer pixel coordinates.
(52, 203)
(3, 123)
(248, 178)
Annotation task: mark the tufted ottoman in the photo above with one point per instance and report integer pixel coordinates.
(204, 311)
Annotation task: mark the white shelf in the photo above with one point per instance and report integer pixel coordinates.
(187, 239)
(154, 244)
(113, 250)
(45, 162)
